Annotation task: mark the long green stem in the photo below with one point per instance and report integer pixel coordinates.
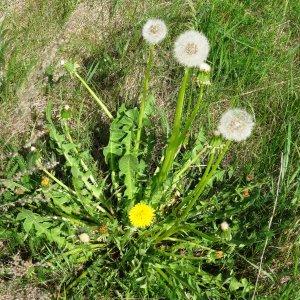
(174, 141)
(145, 94)
(211, 170)
(188, 164)
(192, 117)
(179, 105)
(101, 104)
(206, 178)
(178, 176)
(56, 180)
(203, 178)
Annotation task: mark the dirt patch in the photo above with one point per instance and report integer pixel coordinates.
(16, 292)
(11, 6)
(89, 20)
(11, 286)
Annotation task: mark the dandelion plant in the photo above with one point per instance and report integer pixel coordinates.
(131, 229)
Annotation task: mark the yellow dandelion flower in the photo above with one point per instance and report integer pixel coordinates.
(141, 215)
(45, 182)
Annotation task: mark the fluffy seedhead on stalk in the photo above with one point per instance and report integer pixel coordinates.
(236, 125)
(154, 31)
(191, 48)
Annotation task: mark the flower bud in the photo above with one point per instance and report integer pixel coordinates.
(224, 226)
(84, 238)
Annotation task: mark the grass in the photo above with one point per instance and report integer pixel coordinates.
(255, 58)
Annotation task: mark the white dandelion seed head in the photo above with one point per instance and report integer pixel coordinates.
(204, 67)
(217, 133)
(236, 125)
(224, 226)
(84, 238)
(32, 149)
(154, 31)
(191, 48)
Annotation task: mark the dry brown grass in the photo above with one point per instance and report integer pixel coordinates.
(86, 28)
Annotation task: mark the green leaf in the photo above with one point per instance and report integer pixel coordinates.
(128, 165)
(121, 136)
(234, 284)
(150, 106)
(28, 224)
(30, 219)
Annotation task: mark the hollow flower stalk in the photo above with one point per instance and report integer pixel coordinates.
(154, 31)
